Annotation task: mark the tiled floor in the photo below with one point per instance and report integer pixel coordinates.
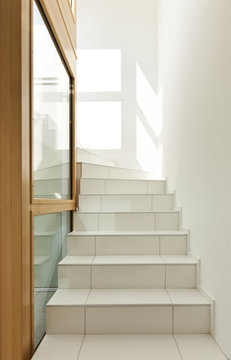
(132, 347)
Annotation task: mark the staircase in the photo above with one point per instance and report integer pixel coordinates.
(127, 271)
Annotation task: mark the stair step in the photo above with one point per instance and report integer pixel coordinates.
(127, 311)
(121, 186)
(87, 157)
(127, 272)
(111, 172)
(126, 202)
(59, 347)
(160, 220)
(123, 347)
(127, 245)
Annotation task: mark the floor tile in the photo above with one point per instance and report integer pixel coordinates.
(191, 319)
(199, 347)
(181, 276)
(151, 319)
(124, 347)
(69, 297)
(186, 296)
(126, 259)
(59, 347)
(126, 187)
(128, 276)
(128, 296)
(77, 260)
(80, 245)
(65, 320)
(74, 276)
(127, 245)
(172, 245)
(178, 259)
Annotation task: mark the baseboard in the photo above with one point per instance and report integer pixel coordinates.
(211, 300)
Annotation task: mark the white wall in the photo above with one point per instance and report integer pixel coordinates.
(117, 110)
(194, 39)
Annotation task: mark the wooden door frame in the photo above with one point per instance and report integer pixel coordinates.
(16, 206)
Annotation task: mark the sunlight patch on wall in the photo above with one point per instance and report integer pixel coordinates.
(99, 125)
(148, 154)
(99, 70)
(149, 103)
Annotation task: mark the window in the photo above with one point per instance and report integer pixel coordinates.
(51, 115)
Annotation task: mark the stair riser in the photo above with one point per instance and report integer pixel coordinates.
(125, 202)
(127, 245)
(127, 276)
(106, 172)
(102, 186)
(165, 319)
(123, 221)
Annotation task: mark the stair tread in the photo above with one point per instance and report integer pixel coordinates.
(123, 194)
(122, 179)
(127, 212)
(115, 167)
(128, 232)
(128, 260)
(119, 297)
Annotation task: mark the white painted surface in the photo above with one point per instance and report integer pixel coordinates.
(118, 109)
(195, 78)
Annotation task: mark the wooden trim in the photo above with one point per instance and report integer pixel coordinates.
(15, 256)
(56, 21)
(72, 117)
(16, 208)
(69, 20)
(47, 209)
(52, 201)
(32, 280)
(72, 9)
(74, 168)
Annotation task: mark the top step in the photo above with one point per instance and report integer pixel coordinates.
(92, 171)
(86, 156)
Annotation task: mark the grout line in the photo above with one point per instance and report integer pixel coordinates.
(101, 200)
(80, 347)
(165, 272)
(177, 347)
(159, 245)
(173, 308)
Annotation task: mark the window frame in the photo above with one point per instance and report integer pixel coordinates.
(46, 202)
(43, 206)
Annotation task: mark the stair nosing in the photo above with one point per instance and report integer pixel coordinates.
(129, 212)
(121, 179)
(128, 233)
(170, 302)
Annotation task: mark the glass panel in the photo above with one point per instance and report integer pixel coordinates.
(50, 232)
(51, 116)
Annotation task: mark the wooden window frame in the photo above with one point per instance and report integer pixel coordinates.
(46, 201)
(43, 206)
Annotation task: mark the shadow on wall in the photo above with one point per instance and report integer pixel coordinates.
(119, 113)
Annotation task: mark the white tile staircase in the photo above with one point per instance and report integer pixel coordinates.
(127, 277)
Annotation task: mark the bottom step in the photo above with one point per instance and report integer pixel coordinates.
(134, 347)
(128, 311)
